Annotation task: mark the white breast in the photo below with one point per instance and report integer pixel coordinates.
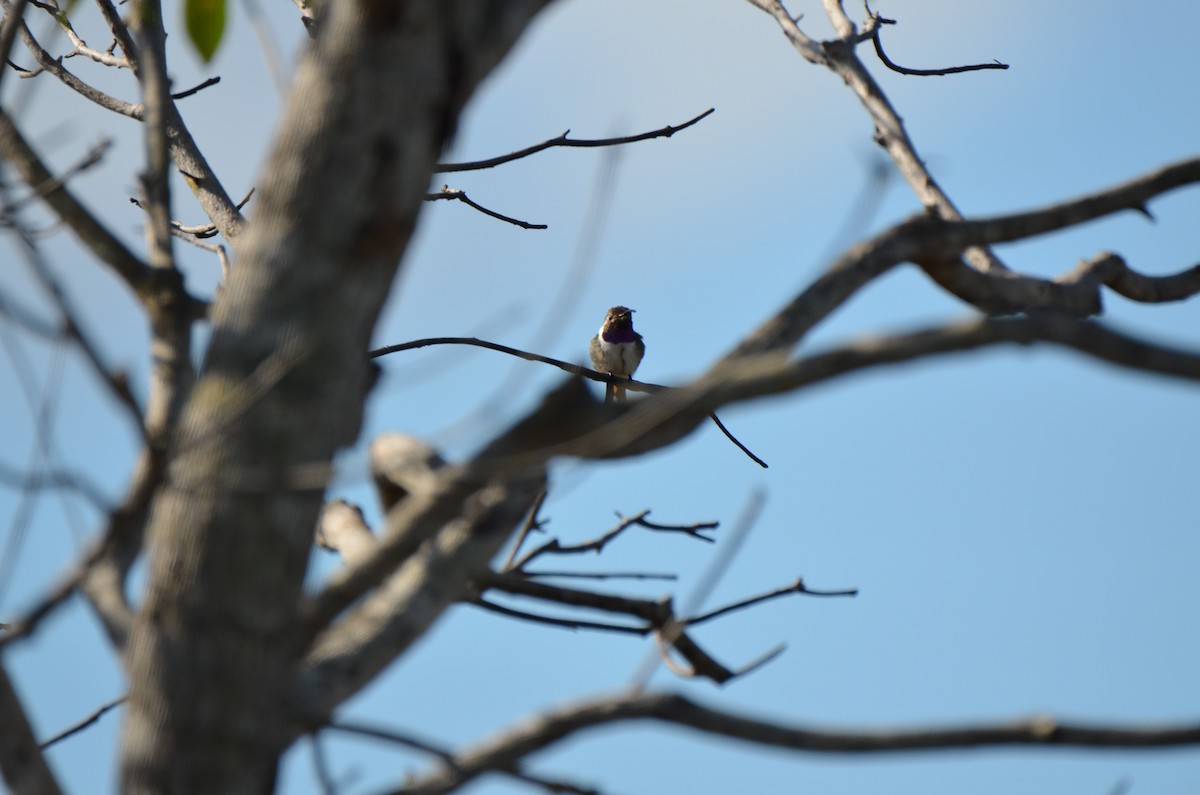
(618, 358)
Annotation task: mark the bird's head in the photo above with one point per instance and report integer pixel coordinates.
(619, 317)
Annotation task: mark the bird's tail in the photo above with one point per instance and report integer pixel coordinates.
(614, 392)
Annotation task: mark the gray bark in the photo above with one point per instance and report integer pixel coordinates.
(215, 642)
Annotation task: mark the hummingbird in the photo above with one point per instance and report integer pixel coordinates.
(617, 349)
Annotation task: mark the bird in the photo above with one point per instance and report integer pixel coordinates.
(617, 349)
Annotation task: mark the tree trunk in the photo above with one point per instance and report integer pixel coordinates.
(213, 650)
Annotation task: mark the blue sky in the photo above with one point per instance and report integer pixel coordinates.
(1021, 524)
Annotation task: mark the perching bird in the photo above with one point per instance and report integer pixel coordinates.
(617, 349)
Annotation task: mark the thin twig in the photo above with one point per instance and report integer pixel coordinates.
(555, 547)
(83, 724)
(199, 230)
(212, 81)
(54, 66)
(16, 150)
(721, 426)
(904, 70)
(91, 158)
(321, 765)
(602, 575)
(567, 623)
(47, 480)
(797, 587)
(392, 736)
(573, 369)
(530, 524)
(695, 530)
(670, 633)
(445, 755)
(117, 382)
(707, 582)
(120, 32)
(563, 140)
(455, 194)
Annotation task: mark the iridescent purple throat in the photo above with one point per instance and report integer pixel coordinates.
(617, 335)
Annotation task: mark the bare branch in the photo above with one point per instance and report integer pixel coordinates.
(54, 66)
(601, 575)
(836, 11)
(797, 587)
(53, 480)
(749, 453)
(705, 584)
(563, 140)
(839, 57)
(392, 736)
(457, 195)
(120, 33)
(25, 626)
(654, 612)
(658, 614)
(91, 158)
(116, 382)
(212, 81)
(936, 246)
(736, 380)
(567, 623)
(598, 544)
(810, 49)
(321, 765)
(22, 763)
(599, 431)
(531, 524)
(199, 230)
(100, 573)
(85, 723)
(14, 15)
(904, 70)
(574, 369)
(446, 755)
(385, 623)
(190, 162)
(28, 319)
(81, 48)
(535, 734)
(1111, 270)
(17, 151)
(172, 373)
(695, 530)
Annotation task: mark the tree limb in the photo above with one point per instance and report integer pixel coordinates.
(511, 746)
(93, 234)
(839, 56)
(212, 652)
(171, 374)
(209, 191)
(935, 245)
(22, 763)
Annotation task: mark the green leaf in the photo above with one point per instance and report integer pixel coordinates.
(205, 21)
